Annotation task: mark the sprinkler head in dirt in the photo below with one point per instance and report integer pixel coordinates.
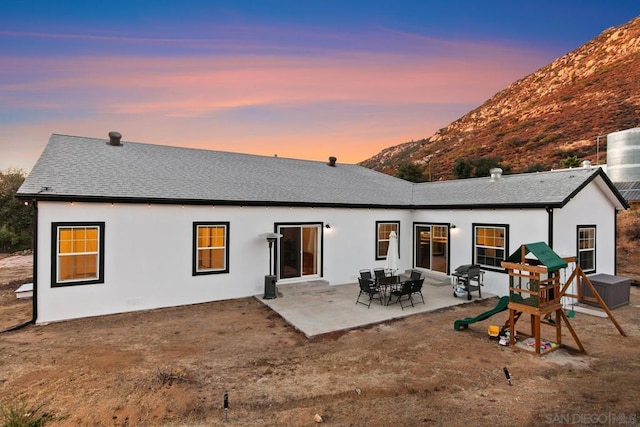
(506, 374)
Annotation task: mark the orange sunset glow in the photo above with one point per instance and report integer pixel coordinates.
(302, 86)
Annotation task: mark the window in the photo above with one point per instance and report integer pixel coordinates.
(211, 248)
(78, 253)
(490, 244)
(587, 248)
(383, 231)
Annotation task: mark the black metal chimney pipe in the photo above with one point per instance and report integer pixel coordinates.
(114, 139)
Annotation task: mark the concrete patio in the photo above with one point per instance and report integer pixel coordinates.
(316, 308)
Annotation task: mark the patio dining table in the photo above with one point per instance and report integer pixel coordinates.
(386, 284)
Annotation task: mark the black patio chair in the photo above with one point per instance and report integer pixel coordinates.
(367, 289)
(378, 273)
(366, 275)
(404, 291)
(415, 274)
(416, 288)
(382, 280)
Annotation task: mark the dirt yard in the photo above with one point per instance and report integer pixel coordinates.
(172, 367)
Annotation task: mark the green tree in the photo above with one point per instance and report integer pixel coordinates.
(462, 169)
(571, 162)
(410, 172)
(483, 165)
(15, 217)
(535, 168)
(479, 167)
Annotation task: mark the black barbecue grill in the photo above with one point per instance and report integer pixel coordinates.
(467, 278)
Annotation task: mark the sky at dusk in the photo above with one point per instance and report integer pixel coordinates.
(293, 78)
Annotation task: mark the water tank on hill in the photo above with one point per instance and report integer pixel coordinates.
(623, 155)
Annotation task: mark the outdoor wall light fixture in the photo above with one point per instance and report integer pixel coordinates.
(452, 226)
(327, 226)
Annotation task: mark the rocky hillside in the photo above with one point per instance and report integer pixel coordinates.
(554, 113)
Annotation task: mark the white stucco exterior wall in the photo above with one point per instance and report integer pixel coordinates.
(148, 250)
(589, 207)
(525, 225)
(148, 253)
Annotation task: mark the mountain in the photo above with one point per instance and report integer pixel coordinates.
(562, 110)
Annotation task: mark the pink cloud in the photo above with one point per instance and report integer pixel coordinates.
(237, 81)
(347, 104)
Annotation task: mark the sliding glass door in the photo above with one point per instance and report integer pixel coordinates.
(431, 247)
(299, 250)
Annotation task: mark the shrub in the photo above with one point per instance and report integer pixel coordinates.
(19, 415)
(516, 141)
(535, 168)
(410, 172)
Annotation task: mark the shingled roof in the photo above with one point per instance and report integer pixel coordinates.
(539, 189)
(90, 169)
(87, 168)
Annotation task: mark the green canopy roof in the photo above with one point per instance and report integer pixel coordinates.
(543, 252)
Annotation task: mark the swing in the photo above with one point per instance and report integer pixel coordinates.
(571, 314)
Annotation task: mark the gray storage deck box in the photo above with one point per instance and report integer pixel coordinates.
(614, 290)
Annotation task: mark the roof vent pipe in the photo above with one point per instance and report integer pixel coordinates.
(114, 139)
(586, 164)
(496, 174)
(332, 161)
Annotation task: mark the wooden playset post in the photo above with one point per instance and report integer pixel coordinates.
(581, 278)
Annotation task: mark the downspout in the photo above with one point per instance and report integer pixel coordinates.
(34, 310)
(615, 244)
(550, 226)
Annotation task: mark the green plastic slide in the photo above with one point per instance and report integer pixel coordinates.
(502, 305)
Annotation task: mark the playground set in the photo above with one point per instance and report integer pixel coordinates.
(536, 289)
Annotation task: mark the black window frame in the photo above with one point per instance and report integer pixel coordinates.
(377, 240)
(54, 253)
(194, 245)
(505, 249)
(580, 227)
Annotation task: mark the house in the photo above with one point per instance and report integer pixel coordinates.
(123, 226)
